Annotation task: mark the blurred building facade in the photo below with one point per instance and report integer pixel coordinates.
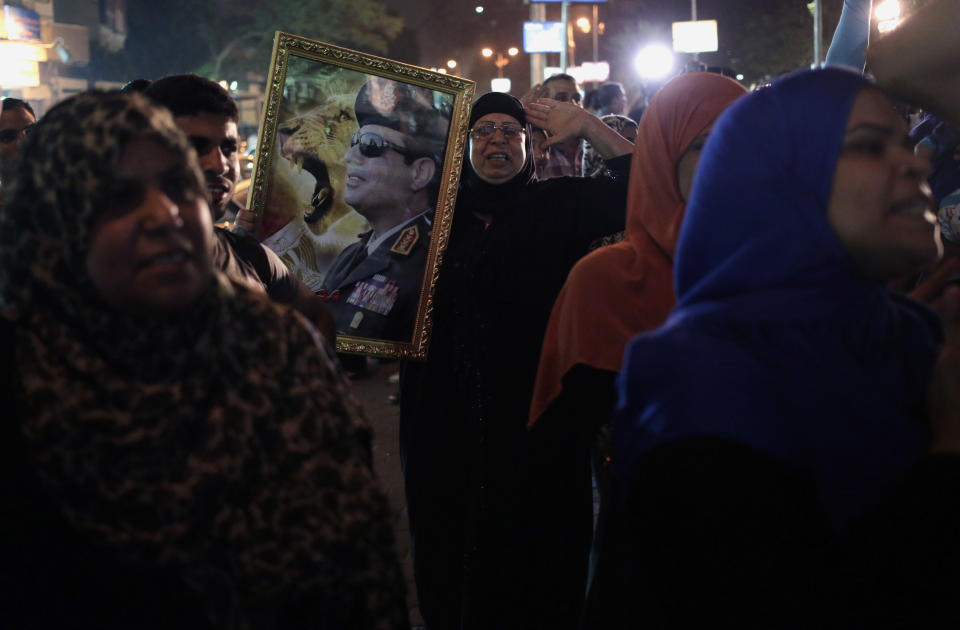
(45, 46)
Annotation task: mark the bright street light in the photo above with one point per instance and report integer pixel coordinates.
(451, 63)
(442, 70)
(654, 62)
(478, 9)
(739, 77)
(887, 10)
(500, 61)
(888, 15)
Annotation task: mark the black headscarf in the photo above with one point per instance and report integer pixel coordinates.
(484, 196)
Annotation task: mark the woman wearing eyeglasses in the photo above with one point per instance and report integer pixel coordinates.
(490, 535)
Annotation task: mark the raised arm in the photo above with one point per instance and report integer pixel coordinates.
(565, 121)
(849, 45)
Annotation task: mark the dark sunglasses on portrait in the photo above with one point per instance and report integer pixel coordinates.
(374, 145)
(9, 135)
(485, 131)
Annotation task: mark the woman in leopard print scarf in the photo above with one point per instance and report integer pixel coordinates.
(174, 423)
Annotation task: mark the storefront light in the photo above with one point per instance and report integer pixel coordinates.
(12, 52)
(19, 73)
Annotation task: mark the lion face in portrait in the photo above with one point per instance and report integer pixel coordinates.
(316, 142)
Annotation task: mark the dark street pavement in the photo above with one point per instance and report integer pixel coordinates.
(372, 391)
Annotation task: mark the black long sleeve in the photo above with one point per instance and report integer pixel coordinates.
(715, 533)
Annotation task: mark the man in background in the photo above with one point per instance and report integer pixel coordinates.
(611, 99)
(562, 159)
(208, 115)
(16, 118)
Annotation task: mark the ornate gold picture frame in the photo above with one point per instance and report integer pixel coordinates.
(357, 167)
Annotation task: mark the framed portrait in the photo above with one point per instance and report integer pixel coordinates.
(357, 165)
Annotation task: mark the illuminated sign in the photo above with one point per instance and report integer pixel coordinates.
(596, 71)
(543, 37)
(11, 52)
(22, 24)
(695, 37)
(19, 73)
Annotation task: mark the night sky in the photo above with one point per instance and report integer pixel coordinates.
(164, 40)
(440, 30)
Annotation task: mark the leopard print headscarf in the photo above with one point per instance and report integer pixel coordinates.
(222, 442)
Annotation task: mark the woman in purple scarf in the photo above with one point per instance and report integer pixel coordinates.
(776, 466)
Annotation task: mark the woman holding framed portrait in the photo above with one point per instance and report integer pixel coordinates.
(490, 525)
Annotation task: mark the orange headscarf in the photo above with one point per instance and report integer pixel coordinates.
(618, 291)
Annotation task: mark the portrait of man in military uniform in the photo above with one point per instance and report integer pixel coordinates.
(394, 165)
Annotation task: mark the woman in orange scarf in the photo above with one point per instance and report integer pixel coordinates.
(620, 290)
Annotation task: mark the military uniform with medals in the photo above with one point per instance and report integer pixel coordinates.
(375, 294)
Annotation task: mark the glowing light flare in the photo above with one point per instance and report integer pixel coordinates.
(478, 9)
(19, 73)
(583, 24)
(887, 10)
(500, 84)
(451, 63)
(487, 52)
(654, 61)
(442, 70)
(513, 51)
(887, 25)
(12, 52)
(739, 77)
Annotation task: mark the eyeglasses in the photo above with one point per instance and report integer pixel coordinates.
(9, 135)
(373, 145)
(484, 131)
